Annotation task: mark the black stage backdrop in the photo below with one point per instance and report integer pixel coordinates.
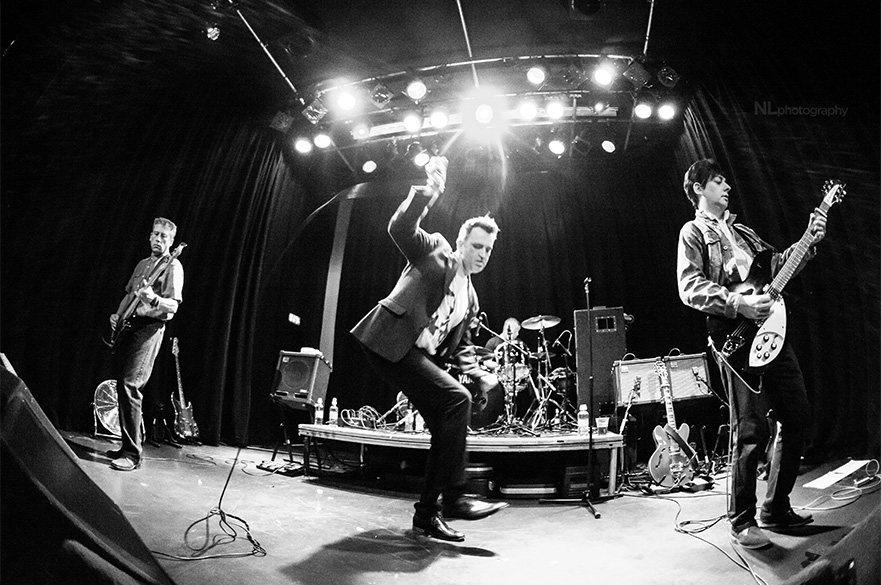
(102, 133)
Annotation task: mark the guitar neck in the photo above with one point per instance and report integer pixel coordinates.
(668, 401)
(802, 247)
(180, 386)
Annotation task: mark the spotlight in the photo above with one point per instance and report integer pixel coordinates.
(557, 146)
(528, 110)
(361, 131)
(380, 95)
(536, 75)
(604, 74)
(321, 140)
(636, 74)
(417, 154)
(555, 109)
(599, 107)
(643, 110)
(302, 145)
(346, 100)
(212, 31)
(416, 90)
(584, 7)
(608, 146)
(666, 111)
(412, 122)
(668, 76)
(369, 166)
(484, 114)
(315, 111)
(439, 119)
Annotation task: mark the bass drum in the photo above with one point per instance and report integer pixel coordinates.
(105, 408)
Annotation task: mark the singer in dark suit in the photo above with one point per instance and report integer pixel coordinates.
(424, 324)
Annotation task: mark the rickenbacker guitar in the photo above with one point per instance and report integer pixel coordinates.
(753, 344)
(132, 301)
(671, 463)
(184, 424)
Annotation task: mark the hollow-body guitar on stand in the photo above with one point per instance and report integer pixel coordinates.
(132, 301)
(752, 344)
(184, 424)
(671, 463)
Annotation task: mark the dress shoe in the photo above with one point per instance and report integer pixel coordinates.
(468, 508)
(434, 526)
(115, 453)
(789, 519)
(750, 537)
(125, 464)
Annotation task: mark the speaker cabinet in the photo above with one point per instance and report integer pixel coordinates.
(300, 379)
(599, 341)
(687, 375)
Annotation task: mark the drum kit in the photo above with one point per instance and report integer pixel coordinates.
(526, 374)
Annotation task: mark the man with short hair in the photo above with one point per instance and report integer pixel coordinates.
(421, 325)
(138, 344)
(714, 256)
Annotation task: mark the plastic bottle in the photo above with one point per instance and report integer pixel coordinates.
(319, 411)
(583, 420)
(334, 413)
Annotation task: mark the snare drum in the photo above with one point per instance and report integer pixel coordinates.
(511, 366)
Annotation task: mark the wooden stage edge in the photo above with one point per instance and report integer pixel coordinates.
(546, 441)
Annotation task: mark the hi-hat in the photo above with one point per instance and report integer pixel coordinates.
(541, 322)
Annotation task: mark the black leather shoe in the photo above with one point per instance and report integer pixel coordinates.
(435, 527)
(468, 508)
(783, 521)
(114, 453)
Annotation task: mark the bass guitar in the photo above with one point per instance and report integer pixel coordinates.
(671, 463)
(750, 343)
(184, 424)
(132, 301)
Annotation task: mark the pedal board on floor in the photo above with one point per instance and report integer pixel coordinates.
(282, 468)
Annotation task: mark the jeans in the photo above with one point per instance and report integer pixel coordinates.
(131, 367)
(445, 404)
(781, 388)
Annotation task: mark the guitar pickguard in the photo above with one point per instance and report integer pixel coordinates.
(768, 341)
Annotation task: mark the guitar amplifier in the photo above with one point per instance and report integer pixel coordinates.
(300, 379)
(687, 374)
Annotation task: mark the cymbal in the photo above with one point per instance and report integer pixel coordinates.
(540, 354)
(541, 322)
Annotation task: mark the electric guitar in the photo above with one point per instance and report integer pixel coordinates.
(671, 463)
(132, 301)
(184, 424)
(731, 337)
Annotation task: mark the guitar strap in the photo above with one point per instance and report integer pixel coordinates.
(686, 448)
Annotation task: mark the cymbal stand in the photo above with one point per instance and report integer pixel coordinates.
(540, 416)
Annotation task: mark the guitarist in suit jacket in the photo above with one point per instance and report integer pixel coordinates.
(138, 346)
(714, 255)
(423, 323)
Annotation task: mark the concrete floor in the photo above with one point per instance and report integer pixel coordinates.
(336, 531)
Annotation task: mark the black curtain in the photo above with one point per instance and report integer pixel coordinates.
(101, 138)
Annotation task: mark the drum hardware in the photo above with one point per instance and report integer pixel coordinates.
(539, 416)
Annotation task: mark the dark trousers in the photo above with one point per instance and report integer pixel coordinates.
(445, 404)
(782, 389)
(131, 368)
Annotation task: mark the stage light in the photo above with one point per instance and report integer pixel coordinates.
(585, 7)
(668, 76)
(643, 110)
(412, 122)
(321, 140)
(599, 107)
(369, 166)
(557, 146)
(555, 109)
(484, 114)
(439, 119)
(361, 131)
(380, 95)
(637, 75)
(315, 111)
(604, 74)
(418, 155)
(303, 145)
(608, 146)
(536, 75)
(666, 111)
(212, 31)
(416, 90)
(346, 100)
(528, 110)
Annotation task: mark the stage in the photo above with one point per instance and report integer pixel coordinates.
(347, 526)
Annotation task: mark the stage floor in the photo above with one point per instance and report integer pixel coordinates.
(350, 529)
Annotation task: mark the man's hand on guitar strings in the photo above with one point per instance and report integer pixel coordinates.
(817, 225)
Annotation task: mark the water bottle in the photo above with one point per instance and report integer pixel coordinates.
(334, 413)
(319, 411)
(583, 420)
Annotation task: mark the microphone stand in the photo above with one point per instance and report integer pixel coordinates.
(592, 494)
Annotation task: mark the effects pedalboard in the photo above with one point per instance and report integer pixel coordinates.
(282, 468)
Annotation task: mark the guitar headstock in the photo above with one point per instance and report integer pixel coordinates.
(174, 347)
(833, 192)
(661, 371)
(177, 251)
(637, 385)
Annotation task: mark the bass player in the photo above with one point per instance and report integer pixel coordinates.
(714, 255)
